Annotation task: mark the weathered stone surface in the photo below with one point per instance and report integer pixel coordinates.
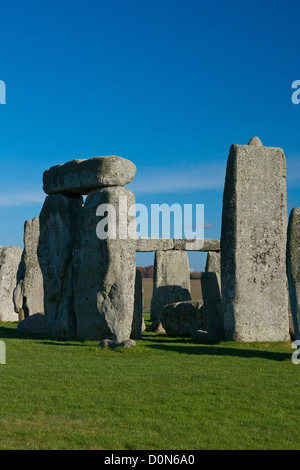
(293, 267)
(178, 244)
(213, 308)
(156, 326)
(253, 245)
(213, 262)
(138, 324)
(104, 271)
(109, 343)
(58, 224)
(29, 293)
(183, 318)
(83, 176)
(34, 324)
(10, 258)
(154, 244)
(185, 244)
(171, 281)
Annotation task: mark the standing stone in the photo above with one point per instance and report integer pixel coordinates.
(253, 244)
(293, 267)
(213, 262)
(104, 269)
(29, 293)
(211, 293)
(10, 258)
(212, 298)
(138, 324)
(171, 281)
(58, 224)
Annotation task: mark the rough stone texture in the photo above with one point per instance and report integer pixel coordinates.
(83, 176)
(212, 298)
(213, 262)
(104, 272)
(183, 318)
(109, 343)
(185, 244)
(178, 244)
(171, 281)
(213, 308)
(293, 267)
(34, 324)
(138, 324)
(156, 326)
(58, 224)
(253, 245)
(10, 258)
(29, 293)
(154, 244)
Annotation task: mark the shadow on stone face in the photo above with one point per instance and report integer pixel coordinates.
(165, 295)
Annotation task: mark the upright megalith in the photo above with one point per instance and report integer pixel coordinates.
(58, 225)
(253, 244)
(10, 258)
(213, 262)
(171, 281)
(104, 265)
(29, 292)
(212, 297)
(138, 324)
(293, 267)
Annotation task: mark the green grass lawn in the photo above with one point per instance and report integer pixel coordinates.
(166, 393)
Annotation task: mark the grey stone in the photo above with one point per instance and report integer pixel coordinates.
(104, 271)
(138, 319)
(156, 326)
(154, 244)
(255, 141)
(213, 262)
(10, 258)
(29, 293)
(109, 343)
(171, 281)
(34, 324)
(293, 267)
(83, 176)
(183, 318)
(185, 244)
(253, 245)
(213, 308)
(178, 244)
(58, 225)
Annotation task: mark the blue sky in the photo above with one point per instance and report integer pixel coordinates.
(169, 84)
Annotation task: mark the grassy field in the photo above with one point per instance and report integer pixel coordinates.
(166, 393)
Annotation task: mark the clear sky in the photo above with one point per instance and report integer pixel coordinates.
(169, 84)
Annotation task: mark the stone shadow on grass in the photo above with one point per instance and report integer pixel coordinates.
(13, 333)
(213, 350)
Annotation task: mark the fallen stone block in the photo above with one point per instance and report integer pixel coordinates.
(34, 324)
(183, 318)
